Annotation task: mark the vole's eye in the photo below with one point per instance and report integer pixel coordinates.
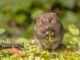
(42, 22)
(50, 19)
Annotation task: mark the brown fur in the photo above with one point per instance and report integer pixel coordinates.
(48, 31)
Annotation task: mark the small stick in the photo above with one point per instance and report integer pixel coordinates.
(10, 45)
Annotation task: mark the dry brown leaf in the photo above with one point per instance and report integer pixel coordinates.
(15, 51)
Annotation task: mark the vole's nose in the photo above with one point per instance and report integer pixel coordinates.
(33, 42)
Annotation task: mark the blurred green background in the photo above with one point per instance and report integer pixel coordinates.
(17, 17)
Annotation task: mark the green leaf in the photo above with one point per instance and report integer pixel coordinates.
(78, 3)
(15, 5)
(67, 3)
(73, 29)
(67, 38)
(70, 17)
(47, 4)
(20, 18)
(29, 32)
(36, 12)
(2, 31)
(6, 27)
